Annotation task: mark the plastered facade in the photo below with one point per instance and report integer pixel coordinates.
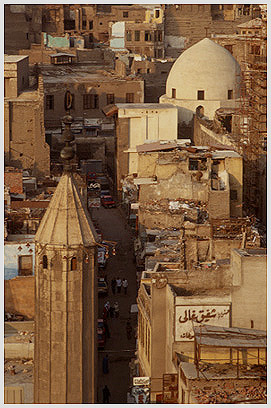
(24, 133)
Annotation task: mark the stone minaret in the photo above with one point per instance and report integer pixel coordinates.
(65, 357)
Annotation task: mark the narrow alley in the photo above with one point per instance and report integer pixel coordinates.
(118, 347)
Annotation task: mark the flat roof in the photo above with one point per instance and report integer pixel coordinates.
(62, 54)
(252, 251)
(156, 146)
(14, 58)
(78, 73)
(221, 154)
(145, 106)
(230, 337)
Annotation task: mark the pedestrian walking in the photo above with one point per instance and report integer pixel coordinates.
(106, 310)
(116, 309)
(129, 330)
(106, 364)
(113, 285)
(125, 285)
(106, 395)
(119, 283)
(112, 311)
(107, 305)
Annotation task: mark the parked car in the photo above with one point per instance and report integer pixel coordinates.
(101, 333)
(107, 201)
(102, 257)
(104, 193)
(102, 287)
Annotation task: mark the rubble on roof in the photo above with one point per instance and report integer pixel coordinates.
(239, 394)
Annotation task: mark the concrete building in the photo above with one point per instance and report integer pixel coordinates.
(186, 24)
(24, 134)
(241, 379)
(144, 38)
(66, 299)
(204, 75)
(249, 121)
(91, 89)
(135, 125)
(170, 298)
(23, 26)
(171, 172)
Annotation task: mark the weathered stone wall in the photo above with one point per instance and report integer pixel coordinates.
(122, 159)
(186, 24)
(25, 145)
(65, 327)
(14, 180)
(249, 291)
(23, 25)
(99, 86)
(219, 204)
(20, 296)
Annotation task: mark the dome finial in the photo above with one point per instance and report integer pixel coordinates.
(67, 153)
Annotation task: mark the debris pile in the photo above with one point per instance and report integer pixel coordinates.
(11, 317)
(194, 211)
(221, 396)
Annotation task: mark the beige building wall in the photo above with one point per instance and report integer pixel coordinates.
(146, 122)
(234, 167)
(174, 180)
(82, 85)
(16, 75)
(249, 293)
(237, 293)
(24, 132)
(187, 108)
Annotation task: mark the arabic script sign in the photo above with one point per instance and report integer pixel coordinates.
(218, 315)
(141, 381)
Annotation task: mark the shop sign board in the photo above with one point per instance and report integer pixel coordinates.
(188, 315)
(145, 381)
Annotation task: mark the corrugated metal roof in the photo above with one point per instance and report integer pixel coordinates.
(62, 54)
(232, 337)
(152, 147)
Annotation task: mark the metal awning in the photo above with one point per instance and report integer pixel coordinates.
(230, 337)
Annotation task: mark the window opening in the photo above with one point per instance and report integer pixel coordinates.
(73, 264)
(90, 101)
(193, 164)
(173, 93)
(44, 262)
(200, 95)
(137, 35)
(49, 102)
(129, 98)
(110, 98)
(147, 36)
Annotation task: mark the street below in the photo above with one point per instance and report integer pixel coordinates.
(118, 347)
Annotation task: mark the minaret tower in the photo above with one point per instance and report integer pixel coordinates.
(65, 357)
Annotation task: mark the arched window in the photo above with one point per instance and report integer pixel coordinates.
(44, 262)
(73, 264)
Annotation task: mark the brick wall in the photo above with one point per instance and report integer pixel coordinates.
(20, 296)
(14, 180)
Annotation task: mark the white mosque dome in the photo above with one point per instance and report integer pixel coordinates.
(205, 71)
